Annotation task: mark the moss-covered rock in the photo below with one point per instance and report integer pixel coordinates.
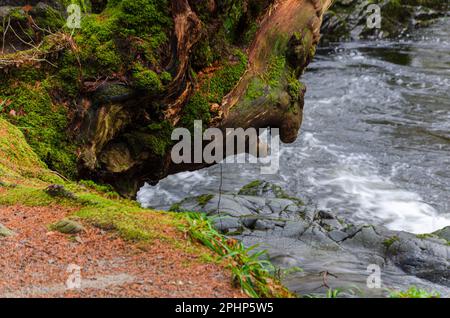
(67, 226)
(18, 161)
(5, 232)
(59, 191)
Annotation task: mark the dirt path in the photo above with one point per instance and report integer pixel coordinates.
(35, 262)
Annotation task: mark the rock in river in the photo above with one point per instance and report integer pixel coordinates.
(322, 243)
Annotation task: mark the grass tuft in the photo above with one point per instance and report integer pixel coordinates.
(414, 292)
(249, 271)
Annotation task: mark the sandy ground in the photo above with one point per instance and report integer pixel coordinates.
(39, 263)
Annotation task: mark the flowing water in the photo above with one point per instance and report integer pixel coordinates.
(375, 143)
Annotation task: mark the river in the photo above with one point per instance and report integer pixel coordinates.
(375, 142)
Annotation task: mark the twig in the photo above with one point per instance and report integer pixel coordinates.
(5, 31)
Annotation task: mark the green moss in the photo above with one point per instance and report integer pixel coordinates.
(240, 19)
(30, 196)
(202, 55)
(97, 51)
(414, 292)
(390, 241)
(140, 27)
(270, 83)
(196, 109)
(155, 137)
(203, 200)
(94, 186)
(249, 270)
(42, 122)
(50, 19)
(296, 88)
(225, 79)
(232, 17)
(213, 90)
(256, 88)
(17, 159)
(69, 75)
(139, 17)
(146, 79)
(251, 188)
(275, 70)
(425, 236)
(18, 14)
(165, 77)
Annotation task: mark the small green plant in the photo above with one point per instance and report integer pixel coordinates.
(281, 274)
(337, 293)
(334, 293)
(249, 271)
(414, 292)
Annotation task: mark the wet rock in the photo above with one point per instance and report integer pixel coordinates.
(68, 226)
(337, 236)
(226, 224)
(263, 225)
(326, 215)
(5, 232)
(266, 190)
(321, 241)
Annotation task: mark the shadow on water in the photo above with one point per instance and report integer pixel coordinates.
(390, 54)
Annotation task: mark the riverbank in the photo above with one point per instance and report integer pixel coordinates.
(121, 249)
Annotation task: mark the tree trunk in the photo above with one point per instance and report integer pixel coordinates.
(232, 64)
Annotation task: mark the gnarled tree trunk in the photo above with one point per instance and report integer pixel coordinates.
(229, 63)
